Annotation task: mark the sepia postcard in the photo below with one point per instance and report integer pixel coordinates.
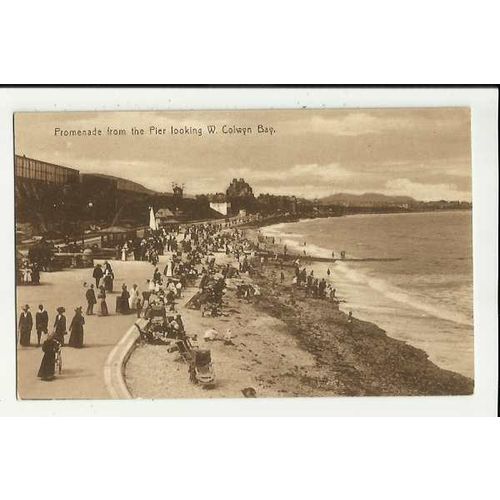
(244, 254)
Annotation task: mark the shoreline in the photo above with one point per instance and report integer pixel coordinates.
(288, 346)
(360, 357)
(305, 315)
(370, 290)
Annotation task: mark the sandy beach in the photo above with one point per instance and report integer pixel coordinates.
(286, 345)
(283, 345)
(262, 351)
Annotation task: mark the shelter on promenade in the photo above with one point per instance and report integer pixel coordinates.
(115, 235)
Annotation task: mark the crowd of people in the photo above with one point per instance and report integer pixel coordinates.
(314, 287)
(304, 278)
(158, 308)
(51, 341)
(29, 272)
(191, 257)
(190, 252)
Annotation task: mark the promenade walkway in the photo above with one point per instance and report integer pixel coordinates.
(83, 370)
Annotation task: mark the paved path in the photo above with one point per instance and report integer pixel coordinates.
(83, 370)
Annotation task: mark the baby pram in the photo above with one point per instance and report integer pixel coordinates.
(156, 313)
(201, 370)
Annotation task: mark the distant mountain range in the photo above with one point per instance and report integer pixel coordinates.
(365, 198)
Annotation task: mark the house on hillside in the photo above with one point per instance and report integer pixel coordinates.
(223, 207)
(220, 203)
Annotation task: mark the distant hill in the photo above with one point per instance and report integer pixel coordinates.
(364, 199)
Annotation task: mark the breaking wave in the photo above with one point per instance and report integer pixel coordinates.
(359, 277)
(397, 294)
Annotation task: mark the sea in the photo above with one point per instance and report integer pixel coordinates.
(421, 294)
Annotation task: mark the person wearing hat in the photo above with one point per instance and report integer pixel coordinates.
(76, 329)
(41, 322)
(60, 325)
(91, 300)
(138, 308)
(97, 274)
(25, 326)
(125, 296)
(103, 306)
(48, 364)
(108, 277)
(156, 276)
(178, 319)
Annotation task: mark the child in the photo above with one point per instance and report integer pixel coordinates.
(139, 307)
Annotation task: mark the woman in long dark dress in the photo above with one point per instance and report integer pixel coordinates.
(76, 329)
(108, 277)
(60, 325)
(108, 282)
(103, 307)
(48, 364)
(25, 326)
(125, 308)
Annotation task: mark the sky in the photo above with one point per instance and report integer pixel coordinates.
(424, 153)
